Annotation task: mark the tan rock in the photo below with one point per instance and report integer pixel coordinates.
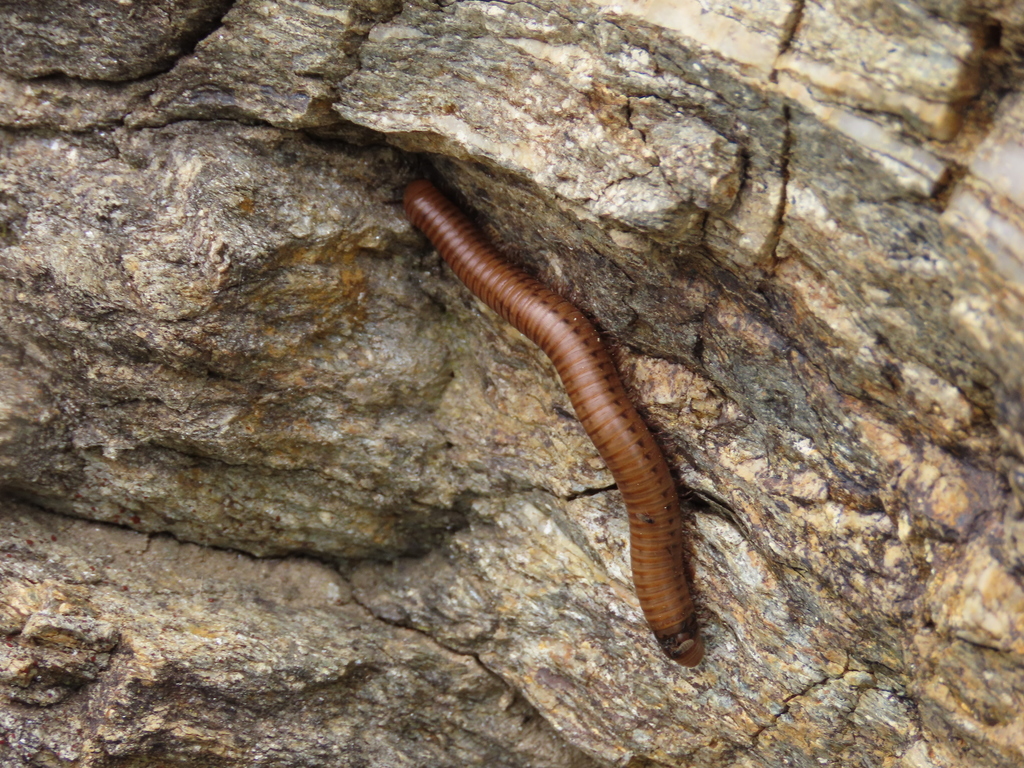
(799, 225)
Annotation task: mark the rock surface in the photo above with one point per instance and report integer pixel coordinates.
(802, 227)
(128, 649)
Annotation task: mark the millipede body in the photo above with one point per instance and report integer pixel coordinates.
(601, 403)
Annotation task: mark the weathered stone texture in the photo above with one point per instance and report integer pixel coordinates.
(135, 286)
(220, 659)
(802, 224)
(277, 62)
(99, 39)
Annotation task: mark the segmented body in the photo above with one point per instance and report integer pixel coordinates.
(601, 403)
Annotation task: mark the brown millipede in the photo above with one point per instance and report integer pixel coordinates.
(601, 403)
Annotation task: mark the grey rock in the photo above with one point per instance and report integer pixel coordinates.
(800, 225)
(99, 40)
(227, 659)
(275, 62)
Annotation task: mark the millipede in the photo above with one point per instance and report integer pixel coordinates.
(586, 369)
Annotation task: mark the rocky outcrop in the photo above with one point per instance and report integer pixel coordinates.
(277, 490)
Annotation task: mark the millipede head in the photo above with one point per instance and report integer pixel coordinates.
(684, 648)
